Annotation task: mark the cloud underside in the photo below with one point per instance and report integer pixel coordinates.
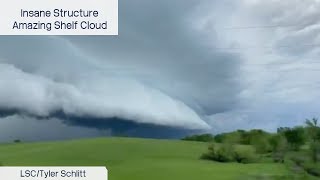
(61, 128)
(201, 64)
(157, 75)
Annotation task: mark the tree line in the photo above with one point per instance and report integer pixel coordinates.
(300, 144)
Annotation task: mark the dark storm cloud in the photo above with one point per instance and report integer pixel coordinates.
(160, 45)
(60, 127)
(159, 70)
(27, 128)
(175, 63)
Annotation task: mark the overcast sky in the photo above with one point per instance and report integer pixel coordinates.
(197, 64)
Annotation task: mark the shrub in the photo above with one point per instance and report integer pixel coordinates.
(219, 138)
(278, 143)
(262, 145)
(299, 160)
(315, 151)
(279, 147)
(220, 154)
(296, 137)
(17, 141)
(245, 155)
(278, 157)
(224, 154)
(228, 153)
(312, 169)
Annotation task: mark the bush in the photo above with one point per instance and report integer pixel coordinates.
(312, 169)
(296, 137)
(245, 156)
(315, 151)
(228, 153)
(299, 160)
(279, 147)
(262, 145)
(278, 143)
(17, 141)
(224, 154)
(278, 157)
(219, 138)
(220, 154)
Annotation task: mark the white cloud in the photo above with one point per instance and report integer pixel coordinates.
(191, 64)
(122, 98)
(278, 42)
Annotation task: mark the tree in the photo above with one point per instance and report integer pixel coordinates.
(281, 130)
(313, 129)
(312, 123)
(315, 151)
(295, 137)
(201, 138)
(17, 141)
(279, 147)
(314, 134)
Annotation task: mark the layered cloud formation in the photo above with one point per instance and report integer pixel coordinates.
(107, 98)
(195, 64)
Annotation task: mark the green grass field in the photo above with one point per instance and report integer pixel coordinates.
(136, 159)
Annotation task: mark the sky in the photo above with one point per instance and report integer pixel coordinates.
(203, 65)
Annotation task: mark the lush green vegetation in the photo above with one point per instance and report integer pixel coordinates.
(139, 159)
(200, 138)
(291, 153)
(231, 153)
(297, 147)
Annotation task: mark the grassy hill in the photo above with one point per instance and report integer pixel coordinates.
(136, 159)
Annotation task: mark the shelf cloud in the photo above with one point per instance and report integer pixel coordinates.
(189, 64)
(41, 96)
